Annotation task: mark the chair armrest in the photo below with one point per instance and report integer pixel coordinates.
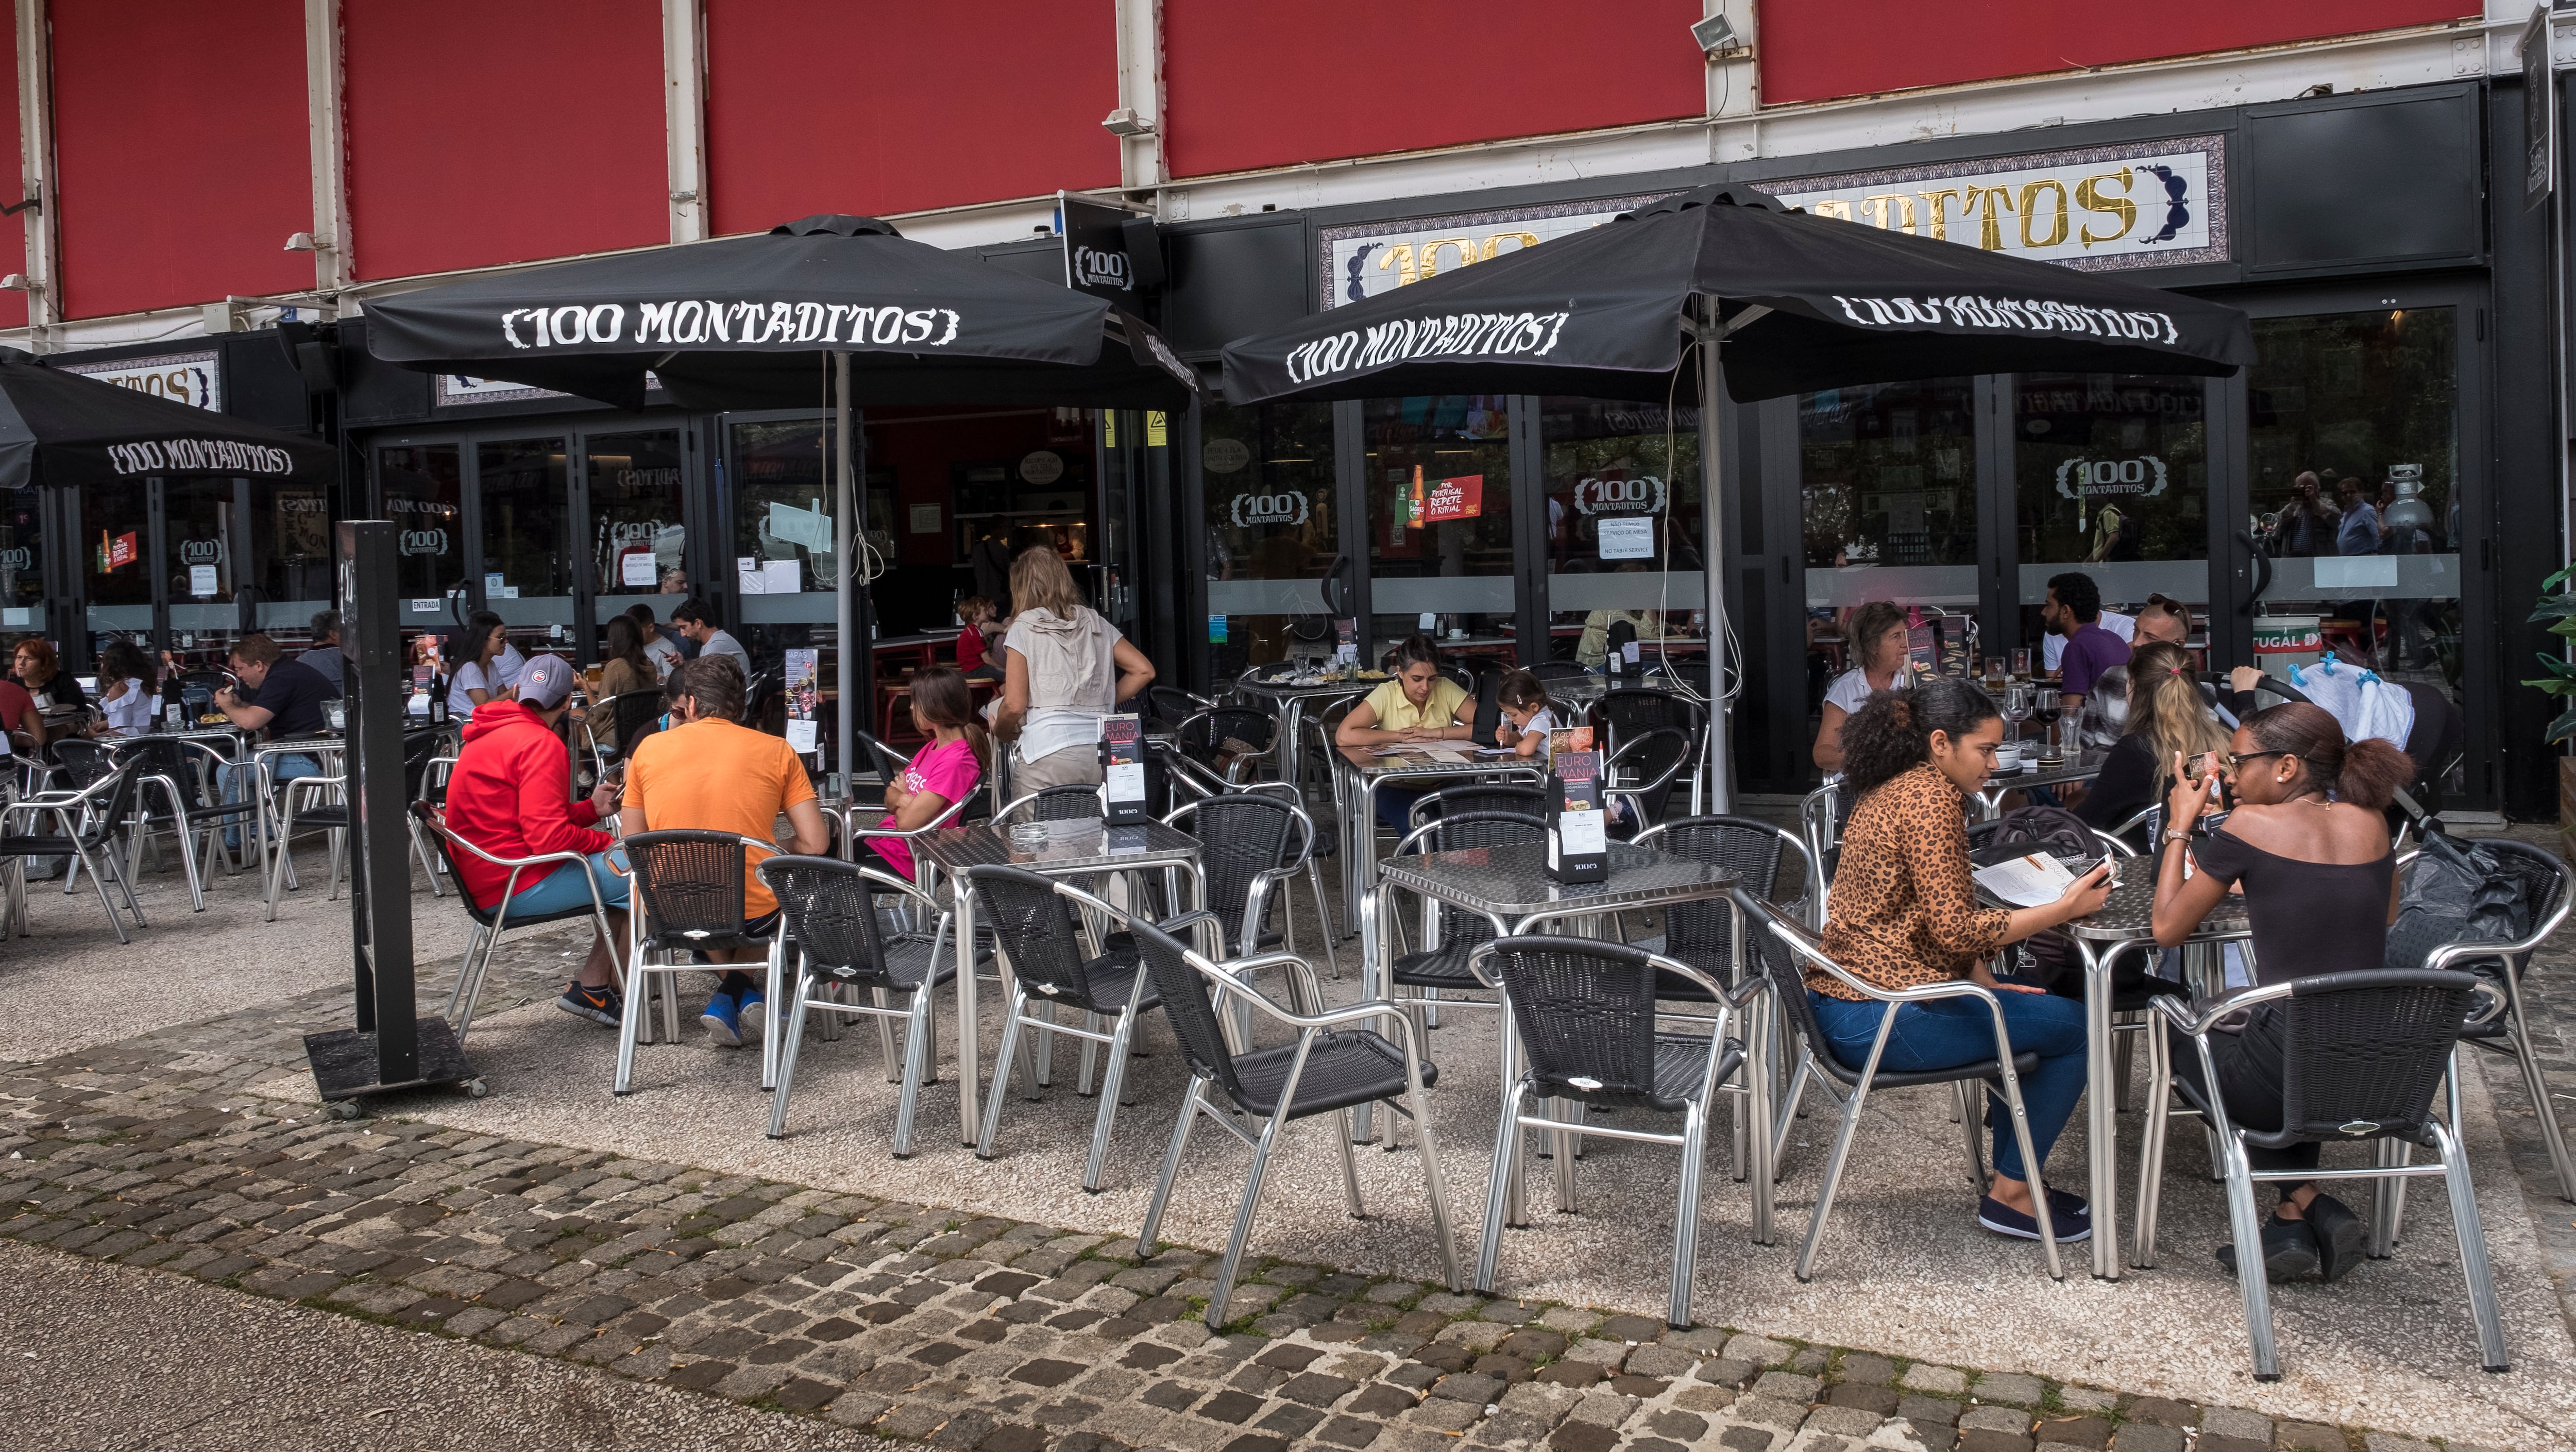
(2198, 1022)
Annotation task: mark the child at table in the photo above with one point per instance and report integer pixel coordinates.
(943, 772)
(1528, 715)
(976, 612)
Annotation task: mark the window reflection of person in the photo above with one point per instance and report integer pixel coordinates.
(675, 581)
(1877, 634)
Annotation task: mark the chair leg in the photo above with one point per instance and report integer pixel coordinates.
(1350, 1167)
(885, 1037)
(2030, 1166)
(1190, 1102)
(464, 969)
(2246, 1230)
(1686, 1215)
(1244, 1214)
(1323, 917)
(2124, 1064)
(639, 986)
(769, 1012)
(1090, 1055)
(2492, 1352)
(125, 885)
(1113, 1079)
(1507, 1148)
(1966, 1100)
(2151, 1143)
(2386, 1197)
(1788, 1115)
(1003, 1062)
(787, 1054)
(114, 919)
(1833, 1175)
(2538, 1087)
(916, 1066)
(473, 987)
(1436, 1185)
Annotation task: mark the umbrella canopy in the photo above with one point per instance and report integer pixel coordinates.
(754, 322)
(1809, 303)
(58, 427)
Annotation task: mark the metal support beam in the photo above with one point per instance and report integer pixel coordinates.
(1138, 121)
(684, 111)
(322, 90)
(1718, 558)
(36, 170)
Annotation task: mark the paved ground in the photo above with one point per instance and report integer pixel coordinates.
(861, 1310)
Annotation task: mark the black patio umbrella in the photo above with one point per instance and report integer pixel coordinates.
(836, 308)
(1768, 298)
(59, 427)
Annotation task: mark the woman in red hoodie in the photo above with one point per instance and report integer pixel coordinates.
(511, 796)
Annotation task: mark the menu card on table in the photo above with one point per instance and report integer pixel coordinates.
(1578, 846)
(1122, 761)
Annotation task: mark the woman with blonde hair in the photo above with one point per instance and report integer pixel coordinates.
(1063, 668)
(2169, 720)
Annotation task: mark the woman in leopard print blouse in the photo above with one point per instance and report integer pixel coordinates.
(1904, 913)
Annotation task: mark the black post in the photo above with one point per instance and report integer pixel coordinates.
(380, 861)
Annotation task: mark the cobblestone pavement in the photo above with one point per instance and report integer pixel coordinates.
(915, 1322)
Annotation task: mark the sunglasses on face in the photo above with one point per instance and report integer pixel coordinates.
(2232, 760)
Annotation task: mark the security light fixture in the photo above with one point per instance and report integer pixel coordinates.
(1715, 34)
(307, 242)
(20, 282)
(1125, 122)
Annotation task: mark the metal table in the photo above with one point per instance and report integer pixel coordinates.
(1292, 701)
(2082, 766)
(2126, 922)
(1085, 846)
(1358, 773)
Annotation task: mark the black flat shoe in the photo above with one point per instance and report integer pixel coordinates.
(2289, 1251)
(2343, 1241)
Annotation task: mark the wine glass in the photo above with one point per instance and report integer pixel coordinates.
(2016, 707)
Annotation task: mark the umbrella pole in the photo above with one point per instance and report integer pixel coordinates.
(1712, 438)
(857, 692)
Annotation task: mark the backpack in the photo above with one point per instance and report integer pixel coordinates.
(2046, 958)
(2461, 893)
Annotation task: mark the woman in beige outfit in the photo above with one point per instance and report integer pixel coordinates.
(1063, 668)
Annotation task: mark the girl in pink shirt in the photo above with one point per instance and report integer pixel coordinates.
(943, 772)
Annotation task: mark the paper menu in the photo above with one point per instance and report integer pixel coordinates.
(2032, 881)
(782, 577)
(638, 567)
(747, 576)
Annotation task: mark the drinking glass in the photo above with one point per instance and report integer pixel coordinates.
(2016, 706)
(2021, 663)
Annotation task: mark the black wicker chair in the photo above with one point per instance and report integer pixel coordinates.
(1451, 934)
(687, 894)
(1632, 711)
(2362, 1053)
(1203, 736)
(1583, 1014)
(1042, 943)
(1252, 844)
(1171, 705)
(1520, 799)
(829, 912)
(1641, 772)
(1335, 1064)
(1816, 1062)
(1054, 804)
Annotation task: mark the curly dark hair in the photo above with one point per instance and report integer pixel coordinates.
(2367, 773)
(2079, 593)
(1892, 732)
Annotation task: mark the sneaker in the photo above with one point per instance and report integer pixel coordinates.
(2003, 1219)
(723, 1018)
(2289, 1251)
(601, 1005)
(2070, 1206)
(2343, 1242)
(751, 1015)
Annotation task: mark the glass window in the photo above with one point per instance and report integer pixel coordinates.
(528, 551)
(290, 557)
(1887, 486)
(197, 532)
(784, 529)
(1440, 517)
(423, 489)
(2354, 449)
(2110, 477)
(22, 560)
(1623, 527)
(116, 578)
(1267, 473)
(638, 537)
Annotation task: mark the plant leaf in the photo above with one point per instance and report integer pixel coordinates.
(2556, 580)
(2562, 728)
(2553, 607)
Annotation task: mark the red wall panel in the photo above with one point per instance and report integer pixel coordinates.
(1815, 49)
(13, 230)
(1262, 85)
(834, 106)
(180, 131)
(490, 131)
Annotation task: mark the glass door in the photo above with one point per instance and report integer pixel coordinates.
(289, 579)
(636, 504)
(1622, 483)
(2110, 479)
(421, 487)
(1266, 477)
(116, 574)
(1438, 476)
(525, 530)
(198, 530)
(784, 533)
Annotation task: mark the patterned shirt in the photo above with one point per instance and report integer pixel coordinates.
(1904, 912)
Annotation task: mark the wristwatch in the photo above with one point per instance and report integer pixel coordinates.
(2178, 834)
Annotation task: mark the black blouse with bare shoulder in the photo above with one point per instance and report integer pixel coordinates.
(2308, 917)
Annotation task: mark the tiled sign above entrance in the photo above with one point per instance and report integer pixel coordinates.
(191, 378)
(2149, 204)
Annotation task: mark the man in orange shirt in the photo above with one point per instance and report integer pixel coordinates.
(709, 774)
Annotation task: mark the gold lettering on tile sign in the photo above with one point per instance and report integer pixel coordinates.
(2037, 211)
(1411, 262)
(2091, 197)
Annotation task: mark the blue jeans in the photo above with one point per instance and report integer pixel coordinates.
(1949, 1032)
(282, 769)
(562, 890)
(1395, 808)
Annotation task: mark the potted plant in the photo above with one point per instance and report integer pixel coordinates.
(2558, 607)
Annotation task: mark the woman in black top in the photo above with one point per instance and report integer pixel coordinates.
(2168, 717)
(2310, 848)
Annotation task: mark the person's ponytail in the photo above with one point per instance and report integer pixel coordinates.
(2373, 773)
(2368, 773)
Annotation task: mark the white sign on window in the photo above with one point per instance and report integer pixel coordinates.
(1629, 538)
(195, 378)
(201, 580)
(925, 519)
(636, 567)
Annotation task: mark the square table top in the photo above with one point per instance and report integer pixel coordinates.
(2129, 915)
(1282, 688)
(1511, 882)
(2082, 766)
(1415, 762)
(1093, 848)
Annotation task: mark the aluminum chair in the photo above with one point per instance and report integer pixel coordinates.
(86, 820)
(1042, 941)
(2362, 1053)
(829, 912)
(1252, 843)
(1583, 1014)
(1816, 1061)
(2550, 893)
(1335, 1064)
(491, 922)
(1518, 798)
(1171, 705)
(1632, 711)
(1820, 821)
(686, 899)
(1450, 935)
(1641, 772)
(1203, 736)
(184, 770)
(1054, 804)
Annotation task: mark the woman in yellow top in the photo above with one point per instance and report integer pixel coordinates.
(1419, 704)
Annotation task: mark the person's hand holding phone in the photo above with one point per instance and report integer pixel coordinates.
(2087, 893)
(612, 785)
(2192, 794)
